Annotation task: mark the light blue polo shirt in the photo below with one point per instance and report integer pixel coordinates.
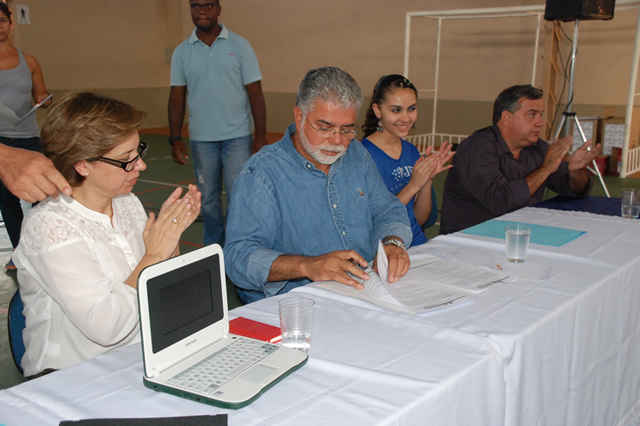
(216, 77)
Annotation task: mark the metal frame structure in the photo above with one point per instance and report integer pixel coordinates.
(503, 12)
(568, 116)
(630, 158)
(433, 139)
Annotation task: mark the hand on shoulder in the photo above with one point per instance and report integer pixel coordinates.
(30, 175)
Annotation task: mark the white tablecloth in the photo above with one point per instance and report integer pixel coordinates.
(366, 367)
(560, 347)
(570, 344)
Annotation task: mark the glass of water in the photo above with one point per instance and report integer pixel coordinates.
(296, 322)
(517, 242)
(630, 203)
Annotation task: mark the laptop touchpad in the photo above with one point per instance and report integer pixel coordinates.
(258, 373)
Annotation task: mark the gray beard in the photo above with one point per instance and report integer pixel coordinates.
(315, 152)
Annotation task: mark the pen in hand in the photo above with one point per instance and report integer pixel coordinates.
(357, 278)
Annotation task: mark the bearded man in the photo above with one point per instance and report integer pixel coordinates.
(312, 207)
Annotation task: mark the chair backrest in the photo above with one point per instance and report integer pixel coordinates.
(16, 322)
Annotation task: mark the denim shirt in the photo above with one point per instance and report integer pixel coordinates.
(282, 204)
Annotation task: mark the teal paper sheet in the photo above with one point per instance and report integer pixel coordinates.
(540, 234)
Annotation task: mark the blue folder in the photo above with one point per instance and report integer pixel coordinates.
(540, 234)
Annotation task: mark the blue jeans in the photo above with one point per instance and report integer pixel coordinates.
(9, 203)
(210, 159)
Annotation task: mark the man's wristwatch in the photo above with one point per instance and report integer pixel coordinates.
(172, 139)
(393, 241)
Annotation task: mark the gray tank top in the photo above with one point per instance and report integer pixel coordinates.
(15, 94)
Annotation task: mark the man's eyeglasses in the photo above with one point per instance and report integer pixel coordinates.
(326, 133)
(128, 165)
(205, 6)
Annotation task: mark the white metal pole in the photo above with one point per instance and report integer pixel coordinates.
(630, 98)
(407, 42)
(535, 51)
(574, 48)
(620, 4)
(481, 11)
(435, 89)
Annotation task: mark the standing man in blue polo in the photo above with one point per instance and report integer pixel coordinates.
(216, 73)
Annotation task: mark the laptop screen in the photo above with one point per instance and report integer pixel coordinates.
(184, 301)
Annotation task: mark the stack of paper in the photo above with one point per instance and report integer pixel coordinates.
(432, 284)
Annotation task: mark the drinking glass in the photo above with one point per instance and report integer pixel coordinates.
(296, 322)
(630, 203)
(517, 242)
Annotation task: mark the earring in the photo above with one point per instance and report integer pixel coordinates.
(379, 126)
(86, 174)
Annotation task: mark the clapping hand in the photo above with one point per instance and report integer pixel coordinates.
(440, 158)
(193, 196)
(161, 235)
(431, 163)
(583, 156)
(557, 150)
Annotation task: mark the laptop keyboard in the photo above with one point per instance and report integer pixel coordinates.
(218, 368)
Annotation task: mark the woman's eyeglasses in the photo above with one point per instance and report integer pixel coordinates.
(127, 166)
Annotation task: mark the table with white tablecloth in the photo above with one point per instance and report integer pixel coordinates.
(557, 347)
(365, 367)
(570, 342)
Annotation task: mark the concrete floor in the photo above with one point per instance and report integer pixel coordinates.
(153, 187)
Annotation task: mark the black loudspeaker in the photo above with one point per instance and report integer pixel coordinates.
(570, 10)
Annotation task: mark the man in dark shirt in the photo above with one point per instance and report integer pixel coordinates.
(506, 166)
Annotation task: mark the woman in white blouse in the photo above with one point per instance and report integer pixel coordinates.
(79, 257)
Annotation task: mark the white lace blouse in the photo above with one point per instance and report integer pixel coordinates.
(72, 264)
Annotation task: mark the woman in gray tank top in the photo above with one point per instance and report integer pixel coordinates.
(21, 82)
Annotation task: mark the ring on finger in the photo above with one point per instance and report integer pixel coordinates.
(175, 221)
(401, 255)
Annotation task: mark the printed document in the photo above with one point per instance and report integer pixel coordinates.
(434, 283)
(9, 119)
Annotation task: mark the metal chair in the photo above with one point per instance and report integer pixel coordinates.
(16, 323)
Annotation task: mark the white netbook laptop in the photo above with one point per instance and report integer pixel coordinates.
(186, 346)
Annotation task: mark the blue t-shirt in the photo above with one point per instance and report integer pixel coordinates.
(396, 174)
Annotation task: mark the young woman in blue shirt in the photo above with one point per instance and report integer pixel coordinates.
(406, 173)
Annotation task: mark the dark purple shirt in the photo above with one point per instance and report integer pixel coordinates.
(486, 181)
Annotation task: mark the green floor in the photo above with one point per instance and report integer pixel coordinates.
(160, 179)
(154, 186)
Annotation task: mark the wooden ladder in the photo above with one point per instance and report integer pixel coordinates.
(553, 74)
